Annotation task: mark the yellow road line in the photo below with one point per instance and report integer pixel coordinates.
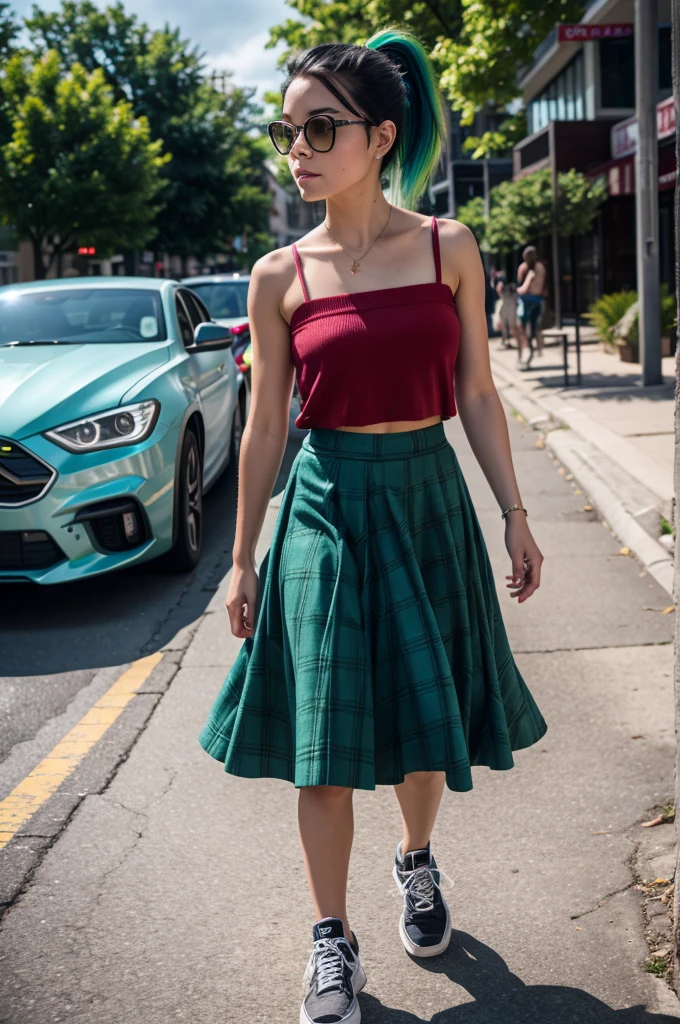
(32, 792)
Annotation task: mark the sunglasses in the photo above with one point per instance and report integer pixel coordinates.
(318, 130)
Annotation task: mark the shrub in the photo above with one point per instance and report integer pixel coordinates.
(605, 313)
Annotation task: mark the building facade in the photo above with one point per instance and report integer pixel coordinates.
(580, 101)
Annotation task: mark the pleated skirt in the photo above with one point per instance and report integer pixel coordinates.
(379, 646)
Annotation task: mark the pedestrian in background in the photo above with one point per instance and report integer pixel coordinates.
(506, 312)
(374, 648)
(531, 280)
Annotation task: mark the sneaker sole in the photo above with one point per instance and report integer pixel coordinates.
(415, 950)
(354, 1016)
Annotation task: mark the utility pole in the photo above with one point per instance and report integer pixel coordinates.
(675, 36)
(557, 275)
(647, 190)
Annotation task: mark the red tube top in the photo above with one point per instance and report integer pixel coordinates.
(377, 356)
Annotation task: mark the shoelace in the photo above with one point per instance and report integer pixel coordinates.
(330, 965)
(418, 887)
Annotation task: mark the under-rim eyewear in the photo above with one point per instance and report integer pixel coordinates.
(318, 130)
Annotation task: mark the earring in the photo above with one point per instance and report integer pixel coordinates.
(377, 156)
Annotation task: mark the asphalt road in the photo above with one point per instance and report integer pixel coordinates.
(176, 892)
(55, 638)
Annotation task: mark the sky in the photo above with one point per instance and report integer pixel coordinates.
(230, 41)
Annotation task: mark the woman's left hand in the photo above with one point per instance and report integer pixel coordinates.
(526, 558)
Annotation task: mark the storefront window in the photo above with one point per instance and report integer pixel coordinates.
(617, 73)
(562, 100)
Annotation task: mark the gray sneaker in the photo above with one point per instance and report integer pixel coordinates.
(425, 922)
(333, 976)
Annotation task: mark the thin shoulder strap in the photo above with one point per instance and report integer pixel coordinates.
(435, 250)
(298, 264)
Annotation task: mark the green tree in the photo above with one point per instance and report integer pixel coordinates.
(521, 210)
(472, 215)
(216, 182)
(477, 45)
(8, 30)
(78, 167)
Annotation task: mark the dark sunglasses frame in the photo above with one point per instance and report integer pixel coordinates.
(297, 128)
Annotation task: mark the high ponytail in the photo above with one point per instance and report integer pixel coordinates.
(390, 78)
(423, 133)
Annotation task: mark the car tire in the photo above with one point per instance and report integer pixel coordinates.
(186, 551)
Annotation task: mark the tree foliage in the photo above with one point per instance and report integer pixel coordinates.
(78, 167)
(216, 186)
(477, 46)
(521, 211)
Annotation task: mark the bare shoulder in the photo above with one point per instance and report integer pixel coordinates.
(272, 274)
(459, 252)
(455, 236)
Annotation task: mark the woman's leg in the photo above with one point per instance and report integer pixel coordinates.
(326, 823)
(419, 796)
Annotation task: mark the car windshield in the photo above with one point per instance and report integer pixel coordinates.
(81, 315)
(225, 300)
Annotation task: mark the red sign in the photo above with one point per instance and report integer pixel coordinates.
(665, 118)
(583, 33)
(624, 134)
(86, 250)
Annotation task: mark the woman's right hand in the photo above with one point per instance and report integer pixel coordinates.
(242, 592)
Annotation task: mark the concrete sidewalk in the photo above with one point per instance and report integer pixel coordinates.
(177, 892)
(615, 436)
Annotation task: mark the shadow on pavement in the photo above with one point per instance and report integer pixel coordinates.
(500, 997)
(117, 617)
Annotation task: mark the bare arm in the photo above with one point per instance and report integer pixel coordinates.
(526, 284)
(266, 431)
(479, 405)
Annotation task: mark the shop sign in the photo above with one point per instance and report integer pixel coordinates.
(584, 33)
(665, 118)
(624, 134)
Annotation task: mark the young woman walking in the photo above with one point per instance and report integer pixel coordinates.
(374, 648)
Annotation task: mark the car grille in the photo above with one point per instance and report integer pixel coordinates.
(28, 549)
(23, 476)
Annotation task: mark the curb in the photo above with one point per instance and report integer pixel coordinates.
(584, 459)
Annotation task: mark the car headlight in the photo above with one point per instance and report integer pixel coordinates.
(127, 425)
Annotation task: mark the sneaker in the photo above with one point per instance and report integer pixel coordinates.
(425, 923)
(333, 976)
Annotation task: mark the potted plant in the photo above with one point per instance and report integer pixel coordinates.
(626, 335)
(605, 314)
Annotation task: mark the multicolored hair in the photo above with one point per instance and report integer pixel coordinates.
(390, 78)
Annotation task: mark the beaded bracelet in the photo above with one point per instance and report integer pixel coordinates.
(512, 508)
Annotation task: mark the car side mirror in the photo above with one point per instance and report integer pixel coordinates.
(210, 336)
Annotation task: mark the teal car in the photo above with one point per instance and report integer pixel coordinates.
(120, 405)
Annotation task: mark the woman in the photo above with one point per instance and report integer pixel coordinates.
(374, 649)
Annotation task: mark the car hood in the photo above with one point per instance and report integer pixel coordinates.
(43, 386)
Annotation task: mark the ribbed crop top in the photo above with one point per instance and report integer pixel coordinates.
(377, 356)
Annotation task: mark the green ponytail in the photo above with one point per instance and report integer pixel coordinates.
(423, 134)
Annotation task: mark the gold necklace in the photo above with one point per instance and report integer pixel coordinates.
(356, 264)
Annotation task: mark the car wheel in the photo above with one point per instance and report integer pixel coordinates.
(186, 551)
(237, 427)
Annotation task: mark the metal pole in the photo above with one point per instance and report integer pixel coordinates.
(557, 303)
(647, 190)
(487, 200)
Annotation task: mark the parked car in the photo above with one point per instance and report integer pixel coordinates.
(226, 298)
(120, 405)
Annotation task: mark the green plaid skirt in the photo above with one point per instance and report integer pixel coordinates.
(379, 647)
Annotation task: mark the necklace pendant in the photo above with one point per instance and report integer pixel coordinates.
(356, 267)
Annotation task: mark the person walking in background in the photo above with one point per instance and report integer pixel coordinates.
(506, 312)
(531, 278)
(374, 652)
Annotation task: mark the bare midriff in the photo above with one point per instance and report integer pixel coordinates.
(392, 427)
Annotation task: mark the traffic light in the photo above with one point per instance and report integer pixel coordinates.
(86, 250)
